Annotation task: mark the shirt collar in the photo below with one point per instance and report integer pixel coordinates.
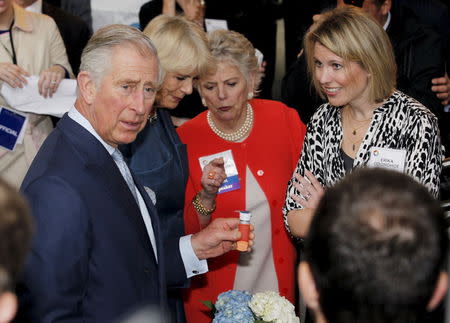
(76, 116)
(388, 21)
(21, 19)
(35, 7)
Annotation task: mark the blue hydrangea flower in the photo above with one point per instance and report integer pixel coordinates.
(232, 307)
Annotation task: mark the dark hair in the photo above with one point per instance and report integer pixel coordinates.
(376, 246)
(15, 234)
(359, 3)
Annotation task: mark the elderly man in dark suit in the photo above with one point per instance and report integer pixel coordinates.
(98, 251)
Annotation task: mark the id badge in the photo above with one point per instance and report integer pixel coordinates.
(387, 158)
(232, 182)
(12, 128)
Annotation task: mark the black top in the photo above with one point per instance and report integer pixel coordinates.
(348, 161)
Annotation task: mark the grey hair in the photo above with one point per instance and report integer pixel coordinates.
(96, 56)
(227, 45)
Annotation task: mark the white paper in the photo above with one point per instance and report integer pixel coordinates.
(215, 24)
(28, 99)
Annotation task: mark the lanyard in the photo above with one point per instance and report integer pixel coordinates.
(13, 54)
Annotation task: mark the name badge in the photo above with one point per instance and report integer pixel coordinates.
(215, 24)
(12, 128)
(387, 158)
(232, 182)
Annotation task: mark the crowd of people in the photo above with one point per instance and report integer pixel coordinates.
(132, 196)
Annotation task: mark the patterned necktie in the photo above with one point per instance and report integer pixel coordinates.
(118, 158)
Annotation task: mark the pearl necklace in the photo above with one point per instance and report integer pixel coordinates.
(238, 135)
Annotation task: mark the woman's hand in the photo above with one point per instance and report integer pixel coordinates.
(212, 177)
(49, 80)
(310, 188)
(13, 74)
(193, 10)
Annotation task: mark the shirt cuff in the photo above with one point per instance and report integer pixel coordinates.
(192, 265)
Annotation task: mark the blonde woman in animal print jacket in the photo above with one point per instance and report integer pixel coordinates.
(365, 120)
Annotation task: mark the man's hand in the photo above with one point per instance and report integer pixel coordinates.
(13, 74)
(441, 86)
(217, 238)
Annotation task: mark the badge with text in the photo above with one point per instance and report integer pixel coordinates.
(232, 182)
(12, 125)
(387, 158)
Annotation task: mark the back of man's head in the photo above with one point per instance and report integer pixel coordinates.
(15, 230)
(15, 238)
(376, 248)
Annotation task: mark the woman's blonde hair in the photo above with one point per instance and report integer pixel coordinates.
(227, 45)
(181, 44)
(354, 36)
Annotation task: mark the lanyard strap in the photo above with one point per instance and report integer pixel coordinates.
(14, 58)
(13, 53)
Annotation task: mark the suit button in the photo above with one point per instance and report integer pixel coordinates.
(260, 172)
(147, 270)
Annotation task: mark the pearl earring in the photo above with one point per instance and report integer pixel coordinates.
(250, 95)
(204, 102)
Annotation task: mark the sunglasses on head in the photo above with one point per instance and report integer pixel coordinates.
(357, 3)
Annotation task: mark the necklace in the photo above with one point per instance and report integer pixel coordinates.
(362, 123)
(240, 133)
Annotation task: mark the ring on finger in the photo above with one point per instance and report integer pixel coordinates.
(211, 175)
(53, 82)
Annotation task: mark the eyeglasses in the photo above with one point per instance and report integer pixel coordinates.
(357, 3)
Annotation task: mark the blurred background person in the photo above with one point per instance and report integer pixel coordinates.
(74, 31)
(30, 45)
(157, 156)
(15, 239)
(193, 10)
(259, 141)
(376, 251)
(366, 120)
(79, 8)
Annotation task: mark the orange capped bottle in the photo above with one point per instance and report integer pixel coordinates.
(244, 228)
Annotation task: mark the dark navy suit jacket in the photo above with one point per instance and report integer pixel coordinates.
(92, 260)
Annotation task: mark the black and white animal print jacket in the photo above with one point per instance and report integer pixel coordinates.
(400, 123)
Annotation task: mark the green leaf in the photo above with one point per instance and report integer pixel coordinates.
(211, 306)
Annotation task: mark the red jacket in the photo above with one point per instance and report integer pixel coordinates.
(271, 151)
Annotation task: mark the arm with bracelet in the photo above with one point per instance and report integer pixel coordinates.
(204, 201)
